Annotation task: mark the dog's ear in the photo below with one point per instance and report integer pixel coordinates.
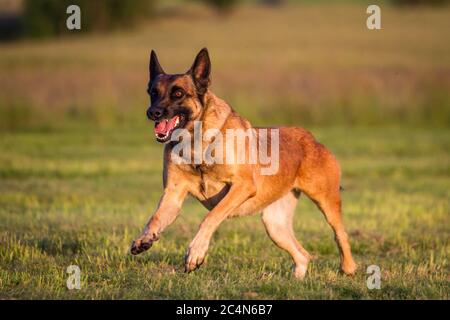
(201, 71)
(155, 68)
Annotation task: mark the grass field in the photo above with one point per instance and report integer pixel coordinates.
(80, 172)
(81, 198)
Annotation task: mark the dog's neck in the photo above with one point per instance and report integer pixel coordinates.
(216, 115)
(215, 112)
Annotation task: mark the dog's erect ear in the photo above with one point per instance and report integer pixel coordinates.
(201, 71)
(155, 68)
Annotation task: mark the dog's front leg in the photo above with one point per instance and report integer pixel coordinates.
(168, 209)
(196, 252)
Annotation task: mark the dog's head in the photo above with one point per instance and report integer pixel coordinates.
(177, 99)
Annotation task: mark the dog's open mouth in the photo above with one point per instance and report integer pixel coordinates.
(165, 127)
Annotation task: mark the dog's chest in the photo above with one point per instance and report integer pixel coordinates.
(207, 184)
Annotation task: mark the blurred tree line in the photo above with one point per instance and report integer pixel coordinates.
(47, 18)
(43, 18)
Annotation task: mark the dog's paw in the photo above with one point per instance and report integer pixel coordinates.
(195, 256)
(139, 246)
(300, 271)
(349, 268)
(142, 244)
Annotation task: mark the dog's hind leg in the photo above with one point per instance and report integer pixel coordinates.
(330, 205)
(323, 187)
(277, 219)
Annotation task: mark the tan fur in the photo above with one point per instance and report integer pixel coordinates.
(239, 189)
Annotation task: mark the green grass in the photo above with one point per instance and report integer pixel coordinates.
(80, 196)
(72, 194)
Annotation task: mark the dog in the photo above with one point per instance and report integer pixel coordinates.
(227, 190)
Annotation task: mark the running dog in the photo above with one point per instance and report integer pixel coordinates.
(227, 190)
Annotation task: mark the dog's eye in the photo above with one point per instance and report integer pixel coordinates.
(178, 93)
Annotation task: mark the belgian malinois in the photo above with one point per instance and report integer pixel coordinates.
(232, 189)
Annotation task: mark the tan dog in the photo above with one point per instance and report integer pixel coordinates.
(232, 189)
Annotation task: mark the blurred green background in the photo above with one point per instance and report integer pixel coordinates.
(80, 171)
(291, 62)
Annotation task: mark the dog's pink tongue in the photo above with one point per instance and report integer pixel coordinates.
(161, 127)
(164, 126)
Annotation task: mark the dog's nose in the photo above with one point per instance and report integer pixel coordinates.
(154, 113)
